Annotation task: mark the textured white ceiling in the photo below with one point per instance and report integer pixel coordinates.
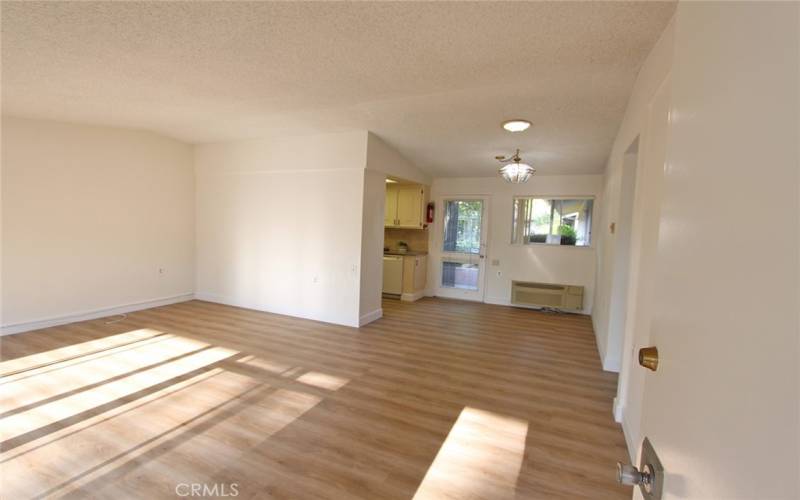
(432, 79)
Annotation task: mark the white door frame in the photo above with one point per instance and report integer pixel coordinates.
(480, 258)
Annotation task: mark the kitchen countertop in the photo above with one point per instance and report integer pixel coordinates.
(410, 253)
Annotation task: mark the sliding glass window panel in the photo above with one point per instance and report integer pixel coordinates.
(462, 226)
(552, 221)
(461, 275)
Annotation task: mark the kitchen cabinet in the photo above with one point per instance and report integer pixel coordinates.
(405, 206)
(390, 215)
(415, 273)
(405, 275)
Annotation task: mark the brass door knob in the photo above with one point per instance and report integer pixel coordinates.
(648, 357)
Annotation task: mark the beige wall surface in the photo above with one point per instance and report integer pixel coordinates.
(279, 236)
(543, 263)
(608, 326)
(372, 247)
(90, 215)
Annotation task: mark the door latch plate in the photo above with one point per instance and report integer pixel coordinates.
(650, 463)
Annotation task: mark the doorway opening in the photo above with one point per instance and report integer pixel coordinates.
(622, 259)
(463, 248)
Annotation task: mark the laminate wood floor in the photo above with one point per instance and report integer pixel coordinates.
(438, 399)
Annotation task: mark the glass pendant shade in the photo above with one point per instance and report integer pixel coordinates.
(516, 173)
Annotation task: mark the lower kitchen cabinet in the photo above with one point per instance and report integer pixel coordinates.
(415, 274)
(405, 276)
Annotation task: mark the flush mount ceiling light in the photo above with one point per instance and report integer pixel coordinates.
(515, 171)
(516, 125)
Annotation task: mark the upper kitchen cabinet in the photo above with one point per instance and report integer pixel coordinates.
(405, 206)
(390, 215)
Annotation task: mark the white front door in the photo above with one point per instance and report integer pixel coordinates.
(463, 248)
(722, 408)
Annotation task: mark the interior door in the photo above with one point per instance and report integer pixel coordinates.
(463, 240)
(721, 410)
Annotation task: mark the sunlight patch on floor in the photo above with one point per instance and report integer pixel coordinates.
(313, 378)
(64, 353)
(323, 380)
(480, 458)
(141, 404)
(264, 364)
(63, 408)
(162, 446)
(58, 379)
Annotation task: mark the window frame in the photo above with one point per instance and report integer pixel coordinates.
(481, 235)
(514, 199)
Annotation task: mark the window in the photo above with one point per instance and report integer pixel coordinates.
(462, 226)
(461, 244)
(553, 221)
(460, 275)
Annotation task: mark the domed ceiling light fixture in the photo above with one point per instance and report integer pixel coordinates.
(516, 125)
(515, 171)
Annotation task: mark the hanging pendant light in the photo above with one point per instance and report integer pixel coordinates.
(515, 171)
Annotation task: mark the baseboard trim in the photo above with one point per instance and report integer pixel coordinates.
(245, 304)
(412, 297)
(499, 301)
(619, 410)
(93, 314)
(631, 441)
(612, 365)
(370, 317)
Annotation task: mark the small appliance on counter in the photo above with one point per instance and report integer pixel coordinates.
(402, 247)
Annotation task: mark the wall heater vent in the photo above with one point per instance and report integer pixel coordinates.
(567, 297)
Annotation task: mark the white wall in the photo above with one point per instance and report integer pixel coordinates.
(643, 265)
(381, 160)
(620, 264)
(553, 264)
(385, 159)
(89, 215)
(279, 224)
(654, 70)
(374, 204)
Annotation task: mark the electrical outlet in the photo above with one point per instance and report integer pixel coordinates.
(499, 274)
(315, 279)
(162, 271)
